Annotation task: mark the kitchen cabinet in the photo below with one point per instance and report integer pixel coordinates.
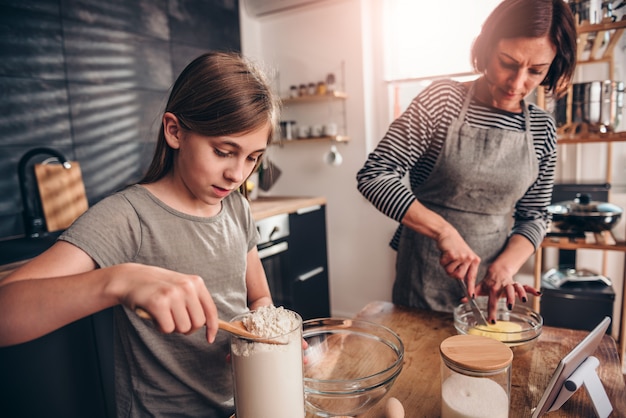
(66, 373)
(605, 36)
(308, 262)
(294, 256)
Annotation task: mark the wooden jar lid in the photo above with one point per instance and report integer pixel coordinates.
(475, 352)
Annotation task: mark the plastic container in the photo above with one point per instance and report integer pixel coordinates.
(475, 377)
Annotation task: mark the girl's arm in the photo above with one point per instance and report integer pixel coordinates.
(64, 284)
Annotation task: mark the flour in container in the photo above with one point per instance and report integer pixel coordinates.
(268, 378)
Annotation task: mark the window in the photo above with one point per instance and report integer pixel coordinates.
(428, 40)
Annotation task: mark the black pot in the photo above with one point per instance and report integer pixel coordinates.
(584, 215)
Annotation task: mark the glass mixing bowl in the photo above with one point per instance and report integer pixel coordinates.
(518, 328)
(349, 365)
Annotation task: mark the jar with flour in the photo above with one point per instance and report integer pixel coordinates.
(268, 378)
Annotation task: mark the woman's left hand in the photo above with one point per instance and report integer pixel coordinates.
(499, 283)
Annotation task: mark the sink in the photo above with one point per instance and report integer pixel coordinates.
(19, 249)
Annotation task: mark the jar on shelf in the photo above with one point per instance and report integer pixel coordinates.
(312, 89)
(475, 377)
(294, 92)
(321, 88)
(330, 83)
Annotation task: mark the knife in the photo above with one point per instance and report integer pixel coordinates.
(478, 315)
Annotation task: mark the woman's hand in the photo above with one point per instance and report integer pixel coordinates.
(176, 302)
(499, 283)
(457, 258)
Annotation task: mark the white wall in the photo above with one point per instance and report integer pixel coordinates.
(305, 44)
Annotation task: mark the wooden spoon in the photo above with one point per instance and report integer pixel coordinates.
(236, 328)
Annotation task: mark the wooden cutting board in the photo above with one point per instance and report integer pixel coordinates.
(62, 193)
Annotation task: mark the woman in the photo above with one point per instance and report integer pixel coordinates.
(476, 153)
(180, 245)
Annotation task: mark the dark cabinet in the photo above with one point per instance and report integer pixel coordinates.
(308, 262)
(67, 373)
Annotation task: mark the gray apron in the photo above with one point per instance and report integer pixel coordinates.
(477, 179)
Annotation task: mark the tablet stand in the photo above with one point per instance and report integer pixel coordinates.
(585, 375)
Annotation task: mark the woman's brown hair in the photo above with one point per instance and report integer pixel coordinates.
(532, 19)
(217, 94)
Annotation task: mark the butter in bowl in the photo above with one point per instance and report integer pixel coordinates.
(517, 328)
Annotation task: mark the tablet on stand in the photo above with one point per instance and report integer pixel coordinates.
(576, 369)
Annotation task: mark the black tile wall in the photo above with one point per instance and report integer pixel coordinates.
(90, 78)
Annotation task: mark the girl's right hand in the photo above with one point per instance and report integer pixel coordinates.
(176, 302)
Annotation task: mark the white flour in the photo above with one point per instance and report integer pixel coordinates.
(268, 377)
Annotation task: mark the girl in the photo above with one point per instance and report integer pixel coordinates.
(181, 245)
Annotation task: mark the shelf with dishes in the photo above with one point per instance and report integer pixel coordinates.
(590, 113)
(310, 108)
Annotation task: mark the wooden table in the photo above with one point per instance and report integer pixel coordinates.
(418, 386)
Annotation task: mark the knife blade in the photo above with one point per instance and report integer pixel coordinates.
(478, 315)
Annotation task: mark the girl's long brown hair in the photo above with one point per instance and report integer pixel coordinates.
(217, 94)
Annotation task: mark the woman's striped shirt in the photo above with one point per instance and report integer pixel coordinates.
(413, 143)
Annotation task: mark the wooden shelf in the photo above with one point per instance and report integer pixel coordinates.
(335, 138)
(604, 38)
(596, 44)
(580, 134)
(335, 95)
(565, 243)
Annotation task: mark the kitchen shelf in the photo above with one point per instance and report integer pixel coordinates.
(317, 111)
(334, 138)
(335, 95)
(595, 44)
(607, 32)
(582, 137)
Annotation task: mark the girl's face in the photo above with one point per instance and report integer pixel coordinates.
(208, 169)
(516, 67)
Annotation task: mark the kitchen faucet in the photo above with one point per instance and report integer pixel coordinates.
(33, 224)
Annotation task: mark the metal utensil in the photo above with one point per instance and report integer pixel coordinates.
(236, 328)
(478, 315)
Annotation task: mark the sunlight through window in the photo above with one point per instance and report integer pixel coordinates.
(425, 39)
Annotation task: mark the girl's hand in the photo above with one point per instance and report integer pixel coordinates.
(176, 302)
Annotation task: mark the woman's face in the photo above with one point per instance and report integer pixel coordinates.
(208, 169)
(516, 67)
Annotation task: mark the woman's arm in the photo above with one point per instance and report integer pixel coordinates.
(457, 258)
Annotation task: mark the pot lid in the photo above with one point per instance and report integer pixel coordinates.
(582, 205)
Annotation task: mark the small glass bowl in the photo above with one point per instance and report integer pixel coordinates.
(349, 365)
(518, 328)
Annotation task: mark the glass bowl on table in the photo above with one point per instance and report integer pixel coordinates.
(349, 365)
(518, 328)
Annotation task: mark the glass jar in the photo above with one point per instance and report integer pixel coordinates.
(475, 377)
(268, 379)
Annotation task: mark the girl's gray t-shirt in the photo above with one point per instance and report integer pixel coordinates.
(159, 374)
